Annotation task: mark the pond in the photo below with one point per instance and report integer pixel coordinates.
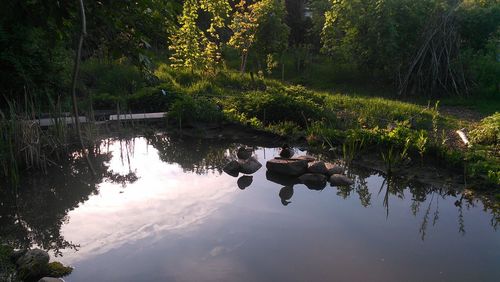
(161, 209)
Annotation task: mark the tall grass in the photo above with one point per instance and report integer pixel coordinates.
(23, 142)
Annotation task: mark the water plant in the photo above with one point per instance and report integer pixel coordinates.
(394, 156)
(421, 144)
(352, 146)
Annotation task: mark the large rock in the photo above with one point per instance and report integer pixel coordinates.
(232, 168)
(340, 180)
(244, 181)
(314, 181)
(333, 169)
(292, 167)
(317, 167)
(281, 179)
(32, 265)
(249, 165)
(306, 158)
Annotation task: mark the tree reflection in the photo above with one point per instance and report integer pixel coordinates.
(194, 155)
(34, 213)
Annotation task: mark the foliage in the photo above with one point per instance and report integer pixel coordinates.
(189, 109)
(488, 131)
(373, 34)
(193, 47)
(36, 52)
(260, 24)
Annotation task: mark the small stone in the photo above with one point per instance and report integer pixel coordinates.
(317, 167)
(249, 166)
(232, 168)
(340, 180)
(334, 169)
(313, 181)
(244, 153)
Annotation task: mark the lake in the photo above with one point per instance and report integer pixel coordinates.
(161, 209)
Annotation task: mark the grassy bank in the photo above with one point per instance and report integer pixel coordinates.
(397, 131)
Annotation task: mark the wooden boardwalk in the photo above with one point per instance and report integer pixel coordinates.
(45, 122)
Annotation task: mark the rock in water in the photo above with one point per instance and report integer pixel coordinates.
(232, 168)
(340, 180)
(32, 265)
(244, 153)
(333, 169)
(244, 181)
(317, 167)
(287, 167)
(285, 180)
(313, 181)
(249, 166)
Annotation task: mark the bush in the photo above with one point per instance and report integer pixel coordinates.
(188, 109)
(116, 79)
(488, 131)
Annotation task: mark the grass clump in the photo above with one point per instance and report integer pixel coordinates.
(488, 131)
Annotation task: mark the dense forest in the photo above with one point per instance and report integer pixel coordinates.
(272, 64)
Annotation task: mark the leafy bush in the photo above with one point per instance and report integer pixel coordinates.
(116, 79)
(188, 109)
(488, 131)
(153, 99)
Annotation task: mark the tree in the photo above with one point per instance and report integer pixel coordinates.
(261, 27)
(244, 27)
(193, 47)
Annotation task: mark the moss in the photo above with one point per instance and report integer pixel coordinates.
(57, 269)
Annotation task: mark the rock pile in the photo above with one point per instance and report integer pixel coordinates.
(308, 171)
(245, 164)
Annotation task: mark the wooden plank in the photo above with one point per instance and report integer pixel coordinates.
(138, 116)
(44, 122)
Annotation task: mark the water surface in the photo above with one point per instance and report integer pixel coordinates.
(162, 210)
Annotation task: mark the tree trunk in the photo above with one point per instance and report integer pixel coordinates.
(73, 87)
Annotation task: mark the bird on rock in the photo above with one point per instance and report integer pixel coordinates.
(286, 152)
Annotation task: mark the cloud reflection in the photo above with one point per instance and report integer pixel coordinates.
(164, 199)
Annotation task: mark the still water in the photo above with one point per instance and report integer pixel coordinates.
(161, 209)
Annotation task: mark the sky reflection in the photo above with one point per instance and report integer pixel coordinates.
(164, 198)
(177, 224)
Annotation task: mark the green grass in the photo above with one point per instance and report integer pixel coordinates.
(294, 110)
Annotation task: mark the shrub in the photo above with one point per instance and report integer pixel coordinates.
(188, 109)
(488, 131)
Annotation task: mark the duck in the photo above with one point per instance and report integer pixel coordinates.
(286, 152)
(244, 153)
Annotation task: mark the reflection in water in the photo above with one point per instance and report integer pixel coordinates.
(244, 181)
(151, 189)
(286, 194)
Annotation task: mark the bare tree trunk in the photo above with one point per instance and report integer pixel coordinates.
(244, 58)
(73, 87)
